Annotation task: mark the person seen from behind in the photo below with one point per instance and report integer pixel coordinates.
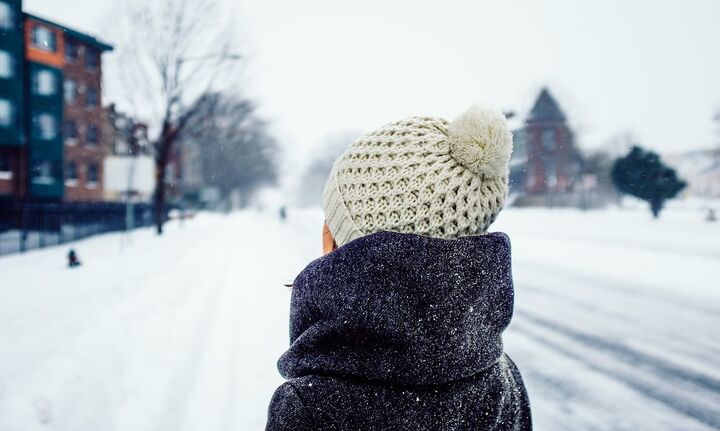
(398, 326)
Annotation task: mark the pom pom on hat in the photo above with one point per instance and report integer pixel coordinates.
(481, 141)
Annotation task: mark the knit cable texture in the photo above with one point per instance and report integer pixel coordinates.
(404, 178)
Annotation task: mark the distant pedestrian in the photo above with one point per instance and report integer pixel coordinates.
(711, 217)
(73, 259)
(283, 213)
(398, 326)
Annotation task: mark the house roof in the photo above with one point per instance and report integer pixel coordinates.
(83, 37)
(546, 108)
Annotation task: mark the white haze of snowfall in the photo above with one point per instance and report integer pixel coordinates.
(615, 326)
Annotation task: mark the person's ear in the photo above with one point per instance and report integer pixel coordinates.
(328, 240)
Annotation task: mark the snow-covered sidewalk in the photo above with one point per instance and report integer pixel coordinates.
(615, 326)
(172, 333)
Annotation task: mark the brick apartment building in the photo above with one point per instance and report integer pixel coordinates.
(50, 109)
(545, 160)
(82, 125)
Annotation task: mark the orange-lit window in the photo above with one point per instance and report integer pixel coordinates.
(44, 39)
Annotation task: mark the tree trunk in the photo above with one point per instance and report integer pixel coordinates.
(162, 158)
(159, 197)
(655, 207)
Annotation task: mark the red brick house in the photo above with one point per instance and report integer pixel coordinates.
(545, 159)
(83, 118)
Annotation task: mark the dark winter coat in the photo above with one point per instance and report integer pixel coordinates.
(402, 332)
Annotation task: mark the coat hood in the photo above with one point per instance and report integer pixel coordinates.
(402, 309)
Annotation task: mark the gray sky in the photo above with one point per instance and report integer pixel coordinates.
(321, 66)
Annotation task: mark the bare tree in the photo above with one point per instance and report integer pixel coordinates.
(238, 154)
(173, 53)
(316, 173)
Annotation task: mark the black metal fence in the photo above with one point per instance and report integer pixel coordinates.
(29, 225)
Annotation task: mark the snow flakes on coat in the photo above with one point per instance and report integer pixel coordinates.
(400, 331)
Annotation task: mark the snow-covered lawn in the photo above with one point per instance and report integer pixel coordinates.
(616, 322)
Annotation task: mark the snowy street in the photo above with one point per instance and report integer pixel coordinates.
(615, 327)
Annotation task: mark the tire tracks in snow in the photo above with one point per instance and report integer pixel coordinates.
(613, 242)
(684, 345)
(660, 296)
(186, 378)
(621, 351)
(211, 377)
(186, 375)
(209, 393)
(690, 390)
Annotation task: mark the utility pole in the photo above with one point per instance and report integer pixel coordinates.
(129, 204)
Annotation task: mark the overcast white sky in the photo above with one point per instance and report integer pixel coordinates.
(322, 66)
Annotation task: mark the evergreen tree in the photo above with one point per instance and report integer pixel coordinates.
(643, 175)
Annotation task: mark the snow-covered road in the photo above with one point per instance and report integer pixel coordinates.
(615, 328)
(617, 318)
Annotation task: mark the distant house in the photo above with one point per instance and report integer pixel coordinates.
(129, 168)
(545, 161)
(124, 135)
(701, 170)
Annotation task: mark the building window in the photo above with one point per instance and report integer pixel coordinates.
(92, 59)
(92, 173)
(7, 17)
(551, 174)
(530, 175)
(72, 51)
(71, 171)
(5, 113)
(44, 82)
(44, 126)
(5, 167)
(91, 98)
(121, 147)
(43, 38)
(69, 91)
(6, 65)
(549, 142)
(92, 134)
(44, 172)
(70, 130)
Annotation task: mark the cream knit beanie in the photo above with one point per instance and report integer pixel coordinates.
(421, 175)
